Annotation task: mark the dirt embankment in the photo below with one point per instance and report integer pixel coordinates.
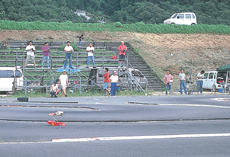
(198, 51)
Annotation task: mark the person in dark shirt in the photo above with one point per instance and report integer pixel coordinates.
(80, 38)
(45, 50)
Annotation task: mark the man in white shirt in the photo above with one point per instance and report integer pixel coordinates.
(114, 80)
(63, 81)
(200, 77)
(90, 49)
(30, 53)
(54, 91)
(182, 81)
(68, 55)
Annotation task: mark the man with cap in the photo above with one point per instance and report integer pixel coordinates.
(63, 81)
(114, 80)
(54, 91)
(122, 49)
(68, 55)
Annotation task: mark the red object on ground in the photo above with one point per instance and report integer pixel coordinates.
(53, 123)
(50, 121)
(114, 57)
(51, 114)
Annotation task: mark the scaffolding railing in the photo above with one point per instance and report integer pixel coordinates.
(44, 77)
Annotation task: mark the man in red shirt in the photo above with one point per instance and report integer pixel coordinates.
(106, 81)
(122, 49)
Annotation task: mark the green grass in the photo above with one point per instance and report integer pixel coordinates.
(35, 93)
(135, 27)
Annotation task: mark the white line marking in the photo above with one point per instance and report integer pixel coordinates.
(26, 142)
(195, 105)
(139, 137)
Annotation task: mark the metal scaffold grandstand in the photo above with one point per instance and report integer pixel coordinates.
(135, 75)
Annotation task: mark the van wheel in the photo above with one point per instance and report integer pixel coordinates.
(213, 88)
(193, 24)
(172, 23)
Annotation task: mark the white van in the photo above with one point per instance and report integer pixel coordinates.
(184, 18)
(215, 80)
(7, 75)
(137, 76)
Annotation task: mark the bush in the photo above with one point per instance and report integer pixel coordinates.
(140, 23)
(117, 24)
(75, 46)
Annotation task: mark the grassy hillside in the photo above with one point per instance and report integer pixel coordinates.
(137, 27)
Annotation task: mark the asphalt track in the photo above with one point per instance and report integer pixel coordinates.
(117, 126)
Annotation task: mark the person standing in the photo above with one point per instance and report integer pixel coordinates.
(54, 91)
(122, 49)
(114, 81)
(68, 55)
(106, 81)
(80, 38)
(90, 49)
(63, 81)
(200, 77)
(45, 50)
(182, 81)
(30, 53)
(168, 81)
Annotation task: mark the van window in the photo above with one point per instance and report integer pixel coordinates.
(221, 75)
(188, 16)
(6, 73)
(210, 76)
(174, 16)
(193, 16)
(205, 75)
(181, 16)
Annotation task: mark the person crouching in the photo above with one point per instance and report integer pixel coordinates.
(54, 91)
